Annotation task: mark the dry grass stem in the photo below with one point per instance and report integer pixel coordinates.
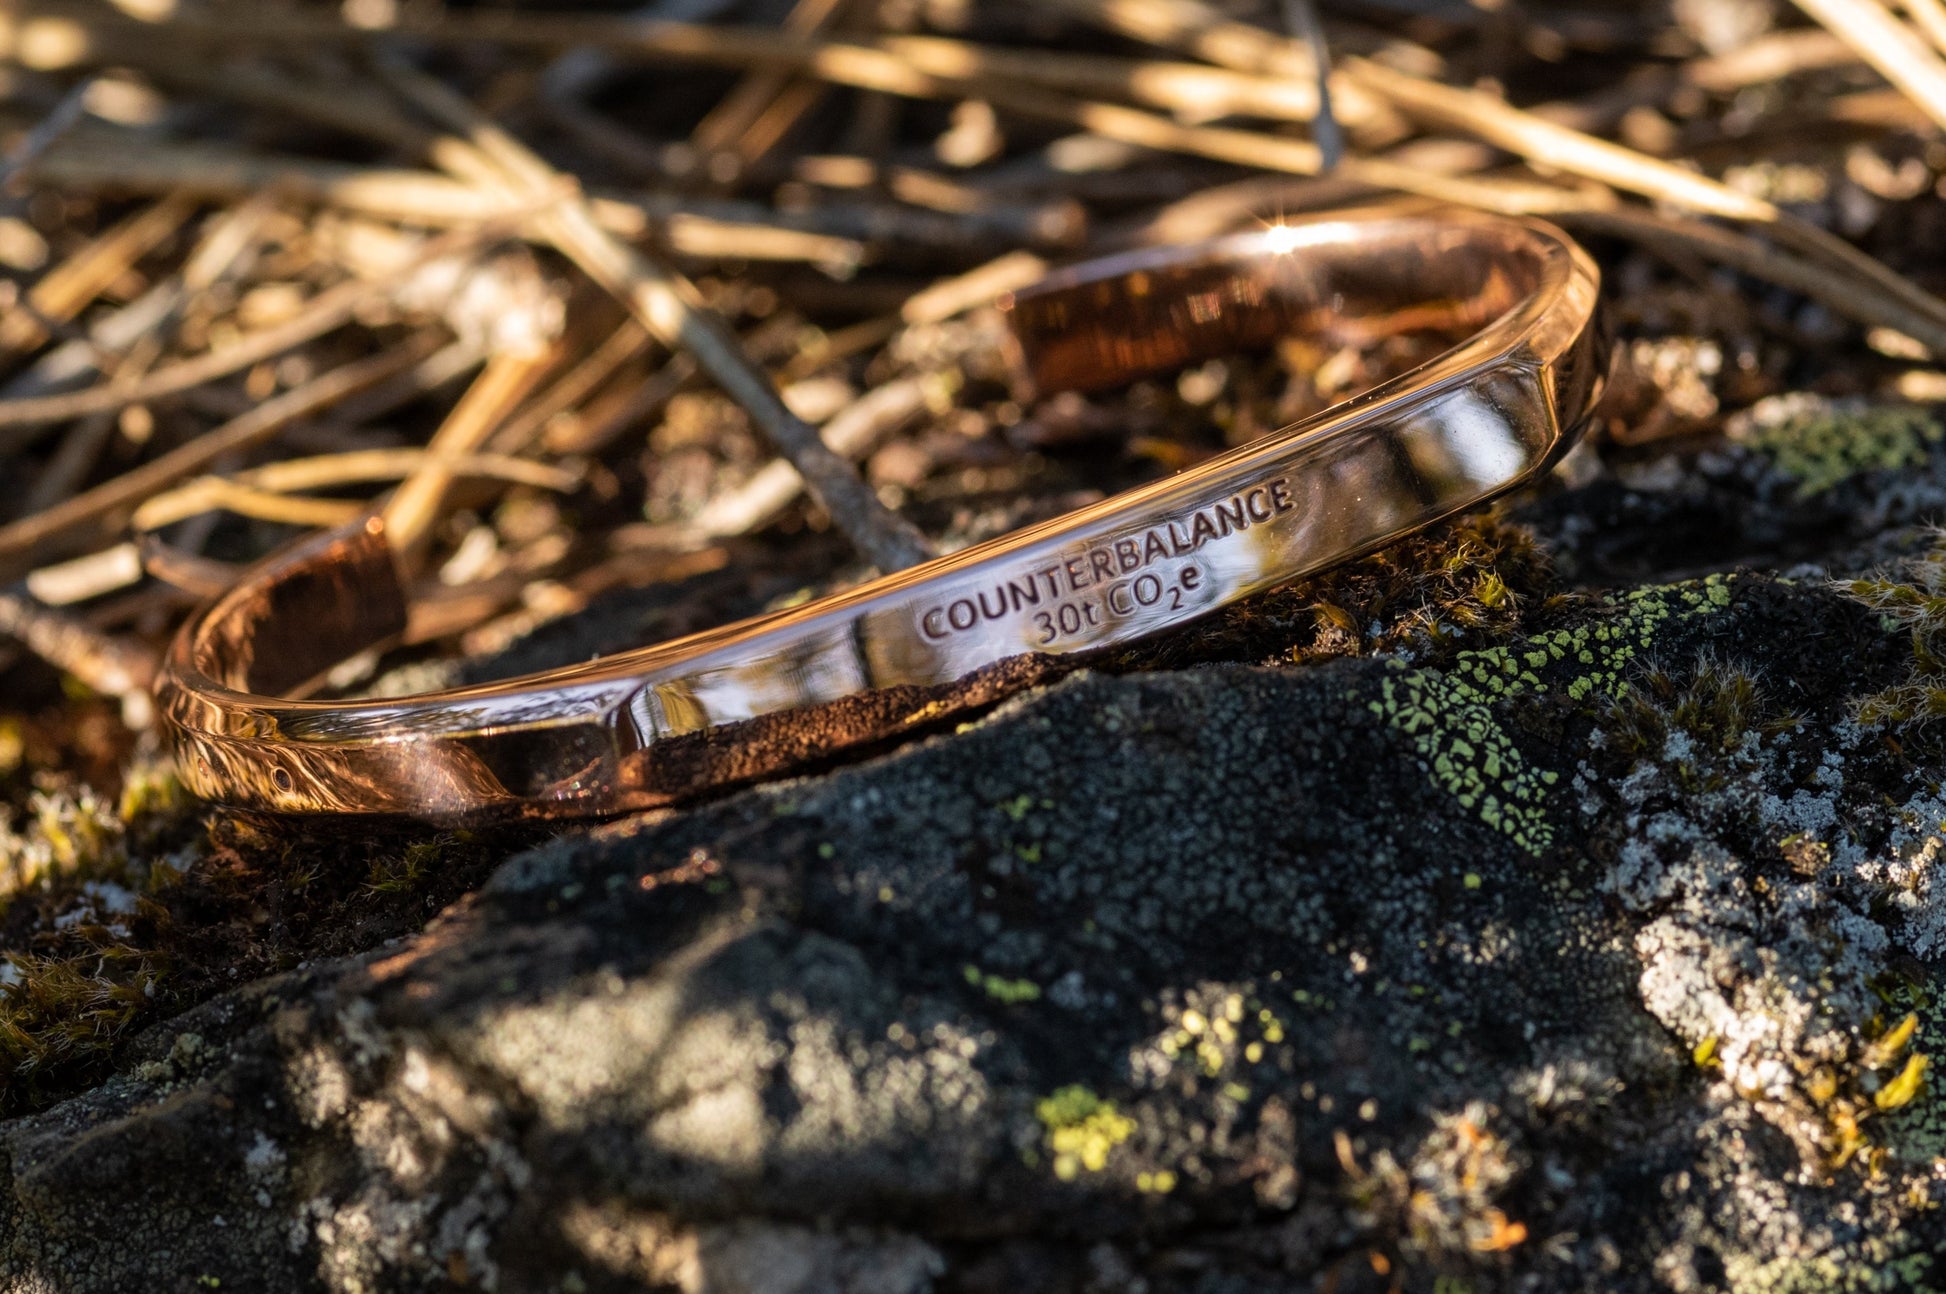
(256, 490)
(64, 291)
(414, 508)
(85, 578)
(324, 313)
(221, 174)
(928, 68)
(921, 67)
(976, 287)
(76, 522)
(1894, 49)
(668, 306)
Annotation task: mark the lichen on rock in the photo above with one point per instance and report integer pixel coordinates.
(1439, 924)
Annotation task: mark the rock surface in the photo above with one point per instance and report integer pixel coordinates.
(1590, 948)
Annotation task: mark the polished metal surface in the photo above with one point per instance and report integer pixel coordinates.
(643, 727)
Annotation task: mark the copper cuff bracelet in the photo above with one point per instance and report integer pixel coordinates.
(644, 727)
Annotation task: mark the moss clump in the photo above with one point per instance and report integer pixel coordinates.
(112, 916)
(1822, 449)
(1479, 575)
(66, 834)
(405, 871)
(1918, 605)
(1081, 1130)
(67, 997)
(1694, 722)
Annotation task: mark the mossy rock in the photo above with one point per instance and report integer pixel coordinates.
(1442, 925)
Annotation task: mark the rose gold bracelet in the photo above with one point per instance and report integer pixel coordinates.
(648, 726)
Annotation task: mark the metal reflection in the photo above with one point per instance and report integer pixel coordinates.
(647, 726)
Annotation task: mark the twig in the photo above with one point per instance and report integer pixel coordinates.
(597, 426)
(622, 345)
(447, 364)
(1301, 17)
(111, 666)
(67, 114)
(45, 535)
(669, 307)
(731, 126)
(854, 432)
(73, 459)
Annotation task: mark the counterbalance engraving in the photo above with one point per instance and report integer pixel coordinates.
(1111, 580)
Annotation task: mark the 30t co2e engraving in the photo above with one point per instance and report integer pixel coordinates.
(1151, 569)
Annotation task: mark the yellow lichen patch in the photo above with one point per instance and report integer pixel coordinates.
(1907, 1085)
(1887, 1048)
(1081, 1130)
(1218, 1040)
(928, 712)
(1911, 1118)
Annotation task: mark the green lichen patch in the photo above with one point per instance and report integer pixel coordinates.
(1879, 1264)
(1007, 992)
(1469, 754)
(1821, 448)
(1449, 717)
